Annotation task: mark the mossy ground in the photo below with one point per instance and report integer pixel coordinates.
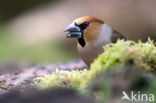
(121, 54)
(127, 53)
(60, 78)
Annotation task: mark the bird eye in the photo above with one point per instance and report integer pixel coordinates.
(84, 25)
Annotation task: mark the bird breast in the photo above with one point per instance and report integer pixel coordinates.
(89, 53)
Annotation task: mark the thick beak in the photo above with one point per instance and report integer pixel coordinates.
(74, 31)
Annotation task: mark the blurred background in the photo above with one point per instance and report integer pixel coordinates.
(31, 32)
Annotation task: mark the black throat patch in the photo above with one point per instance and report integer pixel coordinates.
(82, 26)
(82, 42)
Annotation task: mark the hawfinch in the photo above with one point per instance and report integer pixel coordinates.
(92, 34)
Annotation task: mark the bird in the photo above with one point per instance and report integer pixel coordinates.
(92, 34)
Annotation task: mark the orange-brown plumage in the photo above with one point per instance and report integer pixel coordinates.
(92, 34)
(88, 19)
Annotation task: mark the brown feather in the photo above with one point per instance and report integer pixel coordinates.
(116, 35)
(93, 30)
(89, 52)
(88, 19)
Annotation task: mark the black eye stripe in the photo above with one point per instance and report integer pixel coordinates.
(84, 25)
(76, 24)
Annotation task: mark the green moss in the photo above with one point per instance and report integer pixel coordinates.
(123, 53)
(60, 78)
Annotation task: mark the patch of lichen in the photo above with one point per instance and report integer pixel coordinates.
(121, 54)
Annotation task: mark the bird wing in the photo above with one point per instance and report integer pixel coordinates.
(116, 35)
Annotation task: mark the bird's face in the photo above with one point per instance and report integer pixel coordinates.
(85, 29)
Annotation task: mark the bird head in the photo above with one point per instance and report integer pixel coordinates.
(86, 29)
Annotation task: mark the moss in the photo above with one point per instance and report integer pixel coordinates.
(123, 53)
(68, 79)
